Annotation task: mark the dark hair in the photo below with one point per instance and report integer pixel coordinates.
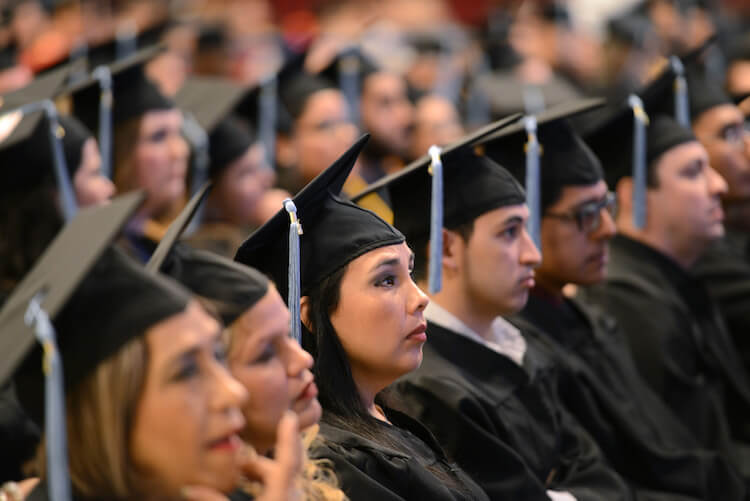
(338, 394)
(29, 221)
(421, 249)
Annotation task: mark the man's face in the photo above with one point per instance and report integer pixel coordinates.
(721, 131)
(498, 260)
(685, 207)
(574, 245)
(387, 113)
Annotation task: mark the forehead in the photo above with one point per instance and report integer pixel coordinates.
(366, 261)
(383, 83)
(190, 329)
(680, 155)
(161, 118)
(725, 114)
(571, 195)
(502, 215)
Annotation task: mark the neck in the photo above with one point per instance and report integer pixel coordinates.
(737, 214)
(684, 253)
(368, 390)
(460, 305)
(549, 286)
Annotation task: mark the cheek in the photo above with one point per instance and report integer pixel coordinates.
(151, 165)
(371, 328)
(169, 433)
(269, 396)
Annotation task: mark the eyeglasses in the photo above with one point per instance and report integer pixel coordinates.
(734, 134)
(588, 216)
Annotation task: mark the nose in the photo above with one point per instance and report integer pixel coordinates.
(179, 147)
(717, 186)
(228, 392)
(418, 300)
(297, 359)
(607, 227)
(108, 188)
(529, 255)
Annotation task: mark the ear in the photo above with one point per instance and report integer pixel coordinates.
(286, 154)
(624, 192)
(452, 249)
(304, 311)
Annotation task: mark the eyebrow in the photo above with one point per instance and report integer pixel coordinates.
(512, 220)
(589, 201)
(392, 261)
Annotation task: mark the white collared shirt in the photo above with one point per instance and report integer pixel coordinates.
(505, 338)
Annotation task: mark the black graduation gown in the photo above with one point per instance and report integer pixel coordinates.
(368, 470)
(680, 345)
(601, 387)
(19, 436)
(725, 269)
(479, 404)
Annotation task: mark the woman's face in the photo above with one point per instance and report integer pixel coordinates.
(379, 318)
(160, 160)
(323, 132)
(240, 188)
(91, 187)
(187, 422)
(274, 369)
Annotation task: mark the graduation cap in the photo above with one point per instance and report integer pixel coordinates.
(212, 101)
(132, 92)
(631, 135)
(348, 70)
(25, 320)
(36, 144)
(446, 187)
(315, 234)
(563, 157)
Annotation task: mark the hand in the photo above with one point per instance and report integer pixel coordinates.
(278, 475)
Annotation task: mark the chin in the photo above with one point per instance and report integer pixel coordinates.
(310, 415)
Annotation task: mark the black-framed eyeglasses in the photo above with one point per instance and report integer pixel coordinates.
(588, 216)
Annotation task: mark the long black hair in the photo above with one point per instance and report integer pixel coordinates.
(337, 391)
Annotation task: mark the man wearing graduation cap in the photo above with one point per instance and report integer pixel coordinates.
(599, 383)
(725, 268)
(481, 389)
(678, 339)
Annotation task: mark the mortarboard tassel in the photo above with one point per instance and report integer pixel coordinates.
(681, 104)
(104, 76)
(533, 190)
(435, 282)
(349, 82)
(64, 184)
(126, 39)
(267, 118)
(54, 402)
(295, 230)
(640, 122)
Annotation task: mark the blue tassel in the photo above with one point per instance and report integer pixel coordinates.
(54, 402)
(640, 122)
(349, 69)
(104, 76)
(435, 282)
(64, 184)
(293, 298)
(681, 104)
(533, 189)
(267, 119)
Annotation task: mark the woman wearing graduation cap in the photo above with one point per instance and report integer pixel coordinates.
(151, 409)
(261, 355)
(149, 150)
(363, 323)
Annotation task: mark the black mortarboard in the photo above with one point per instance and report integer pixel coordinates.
(231, 288)
(133, 93)
(704, 93)
(447, 188)
(632, 28)
(336, 231)
(629, 140)
(37, 143)
(295, 86)
(78, 317)
(57, 274)
(565, 158)
(211, 101)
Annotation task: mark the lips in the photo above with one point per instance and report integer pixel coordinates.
(230, 442)
(309, 392)
(418, 334)
(527, 281)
